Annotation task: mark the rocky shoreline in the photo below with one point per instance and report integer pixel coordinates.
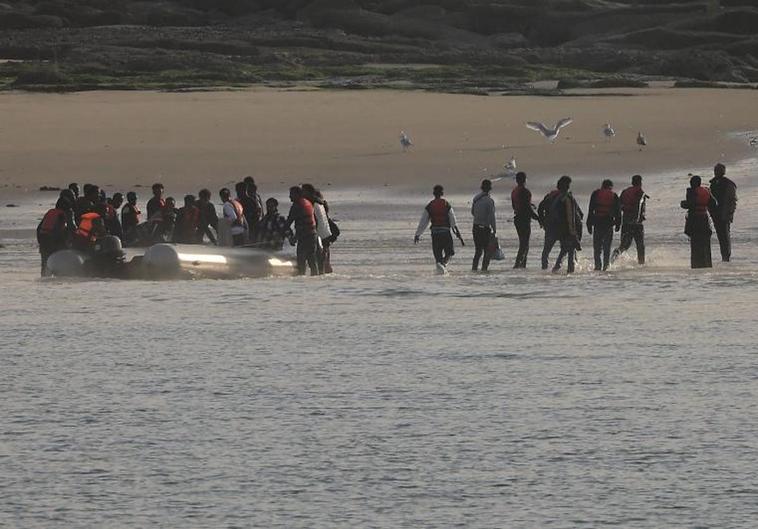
(448, 46)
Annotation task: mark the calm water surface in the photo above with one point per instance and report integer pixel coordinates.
(386, 396)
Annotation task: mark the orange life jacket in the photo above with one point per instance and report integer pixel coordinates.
(50, 221)
(439, 213)
(604, 199)
(86, 227)
(702, 198)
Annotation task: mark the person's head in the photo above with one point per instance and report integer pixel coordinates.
(92, 192)
(272, 205)
(296, 193)
(103, 197)
(116, 200)
(131, 197)
(695, 181)
(637, 180)
(486, 185)
(189, 200)
(241, 189)
(224, 194)
(204, 195)
(157, 190)
(74, 188)
(170, 203)
(719, 170)
(564, 183)
(521, 178)
(63, 203)
(68, 195)
(250, 184)
(86, 190)
(607, 184)
(438, 191)
(309, 191)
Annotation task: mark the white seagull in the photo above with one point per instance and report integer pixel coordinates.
(754, 141)
(405, 141)
(641, 141)
(510, 167)
(550, 134)
(608, 131)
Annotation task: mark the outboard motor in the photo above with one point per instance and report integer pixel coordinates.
(108, 258)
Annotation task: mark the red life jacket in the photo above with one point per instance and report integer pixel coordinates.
(702, 198)
(439, 213)
(86, 227)
(50, 221)
(191, 219)
(130, 215)
(520, 200)
(630, 201)
(309, 217)
(604, 199)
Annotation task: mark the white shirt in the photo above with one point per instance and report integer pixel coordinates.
(322, 221)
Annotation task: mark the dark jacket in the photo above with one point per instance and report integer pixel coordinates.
(724, 191)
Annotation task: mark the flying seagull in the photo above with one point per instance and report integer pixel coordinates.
(405, 141)
(641, 141)
(608, 131)
(754, 141)
(550, 134)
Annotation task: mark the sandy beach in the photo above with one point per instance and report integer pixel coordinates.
(349, 139)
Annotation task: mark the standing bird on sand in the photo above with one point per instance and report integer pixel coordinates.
(608, 132)
(510, 168)
(550, 134)
(641, 141)
(405, 141)
(754, 142)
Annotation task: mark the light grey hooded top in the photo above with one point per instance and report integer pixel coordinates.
(483, 210)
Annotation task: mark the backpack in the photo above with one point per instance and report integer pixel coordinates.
(334, 229)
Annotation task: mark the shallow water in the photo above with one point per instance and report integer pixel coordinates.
(387, 396)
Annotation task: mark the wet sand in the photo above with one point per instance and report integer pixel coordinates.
(349, 139)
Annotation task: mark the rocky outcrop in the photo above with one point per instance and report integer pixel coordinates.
(476, 42)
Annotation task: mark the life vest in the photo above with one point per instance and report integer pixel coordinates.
(50, 221)
(309, 217)
(520, 205)
(701, 200)
(191, 219)
(130, 215)
(630, 201)
(439, 213)
(239, 211)
(86, 227)
(604, 199)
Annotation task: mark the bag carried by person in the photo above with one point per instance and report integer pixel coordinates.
(334, 229)
(493, 248)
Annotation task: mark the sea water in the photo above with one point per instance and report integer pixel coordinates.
(386, 395)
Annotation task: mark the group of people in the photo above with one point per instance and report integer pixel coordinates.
(560, 216)
(79, 221)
